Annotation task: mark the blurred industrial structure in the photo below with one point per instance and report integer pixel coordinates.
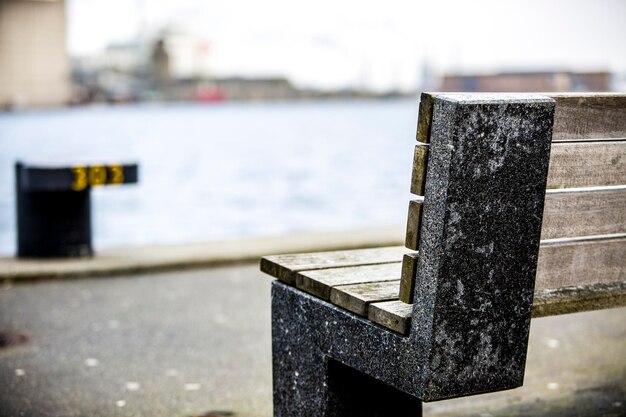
(34, 63)
(172, 64)
(549, 81)
(175, 65)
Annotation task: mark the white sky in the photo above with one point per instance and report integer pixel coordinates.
(343, 43)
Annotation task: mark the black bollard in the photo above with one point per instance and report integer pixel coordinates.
(54, 207)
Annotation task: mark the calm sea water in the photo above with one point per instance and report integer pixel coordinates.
(225, 171)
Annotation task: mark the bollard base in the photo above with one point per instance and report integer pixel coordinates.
(54, 224)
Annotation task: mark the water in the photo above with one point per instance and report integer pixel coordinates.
(225, 171)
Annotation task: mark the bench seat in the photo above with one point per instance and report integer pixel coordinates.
(365, 281)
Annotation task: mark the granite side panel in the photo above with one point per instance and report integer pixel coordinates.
(481, 226)
(307, 333)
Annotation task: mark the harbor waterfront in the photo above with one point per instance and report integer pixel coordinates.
(230, 170)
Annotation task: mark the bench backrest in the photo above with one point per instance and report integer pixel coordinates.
(482, 166)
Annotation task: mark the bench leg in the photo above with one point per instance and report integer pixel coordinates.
(354, 394)
(307, 382)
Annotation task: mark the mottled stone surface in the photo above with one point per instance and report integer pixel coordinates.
(481, 225)
(330, 362)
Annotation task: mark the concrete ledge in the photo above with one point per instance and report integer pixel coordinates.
(155, 258)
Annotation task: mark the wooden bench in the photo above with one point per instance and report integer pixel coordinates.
(498, 235)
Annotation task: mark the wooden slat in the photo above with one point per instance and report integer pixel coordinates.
(572, 213)
(572, 275)
(425, 117)
(577, 261)
(576, 116)
(572, 165)
(587, 164)
(357, 297)
(413, 225)
(577, 299)
(418, 177)
(584, 261)
(319, 282)
(407, 280)
(584, 213)
(562, 263)
(589, 116)
(285, 267)
(394, 315)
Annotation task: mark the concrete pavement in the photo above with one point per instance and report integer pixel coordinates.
(134, 260)
(192, 343)
(173, 344)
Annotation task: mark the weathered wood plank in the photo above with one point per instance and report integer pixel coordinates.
(418, 176)
(357, 297)
(319, 282)
(582, 261)
(285, 267)
(577, 116)
(562, 263)
(575, 262)
(394, 315)
(413, 224)
(572, 165)
(566, 214)
(425, 117)
(589, 116)
(578, 299)
(407, 280)
(587, 164)
(584, 213)
(573, 275)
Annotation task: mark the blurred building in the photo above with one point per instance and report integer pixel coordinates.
(271, 88)
(115, 74)
(34, 64)
(174, 64)
(558, 81)
(189, 55)
(160, 64)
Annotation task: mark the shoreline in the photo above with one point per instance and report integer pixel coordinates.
(135, 260)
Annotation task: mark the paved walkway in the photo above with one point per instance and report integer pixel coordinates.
(134, 260)
(197, 343)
